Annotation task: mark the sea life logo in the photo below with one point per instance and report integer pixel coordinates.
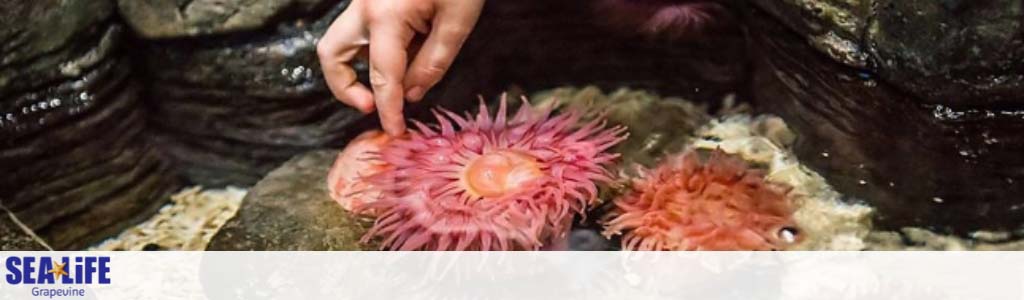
(66, 274)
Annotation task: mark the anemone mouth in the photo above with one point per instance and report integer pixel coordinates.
(499, 173)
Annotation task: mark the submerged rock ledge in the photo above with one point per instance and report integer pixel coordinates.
(291, 209)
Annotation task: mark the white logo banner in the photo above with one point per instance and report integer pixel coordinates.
(512, 275)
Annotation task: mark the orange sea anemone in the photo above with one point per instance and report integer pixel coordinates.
(690, 204)
(491, 183)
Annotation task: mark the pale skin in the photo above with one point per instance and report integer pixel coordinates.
(400, 70)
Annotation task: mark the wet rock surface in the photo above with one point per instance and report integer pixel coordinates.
(291, 209)
(73, 164)
(961, 53)
(919, 164)
(42, 40)
(14, 238)
(230, 109)
(183, 18)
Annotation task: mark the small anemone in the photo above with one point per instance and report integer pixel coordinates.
(689, 204)
(673, 19)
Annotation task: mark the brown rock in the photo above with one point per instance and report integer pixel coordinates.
(189, 18)
(953, 52)
(919, 164)
(74, 166)
(230, 109)
(43, 40)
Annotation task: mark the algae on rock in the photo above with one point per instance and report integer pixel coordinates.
(657, 126)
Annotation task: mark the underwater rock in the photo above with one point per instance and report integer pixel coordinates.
(657, 126)
(230, 109)
(956, 53)
(588, 240)
(74, 166)
(291, 209)
(177, 18)
(43, 40)
(14, 238)
(912, 238)
(920, 165)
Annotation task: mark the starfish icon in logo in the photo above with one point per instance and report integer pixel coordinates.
(58, 270)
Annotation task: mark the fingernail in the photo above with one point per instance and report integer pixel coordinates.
(366, 110)
(366, 107)
(414, 93)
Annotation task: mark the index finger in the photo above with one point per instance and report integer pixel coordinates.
(388, 56)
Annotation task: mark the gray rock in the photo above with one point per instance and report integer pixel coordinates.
(920, 165)
(230, 109)
(589, 240)
(189, 18)
(42, 40)
(73, 164)
(14, 238)
(74, 161)
(952, 52)
(291, 209)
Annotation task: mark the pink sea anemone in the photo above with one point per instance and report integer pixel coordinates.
(664, 18)
(492, 183)
(718, 204)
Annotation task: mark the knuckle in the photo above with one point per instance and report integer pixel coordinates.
(324, 50)
(376, 11)
(434, 69)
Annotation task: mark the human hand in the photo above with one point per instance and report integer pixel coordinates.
(387, 28)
